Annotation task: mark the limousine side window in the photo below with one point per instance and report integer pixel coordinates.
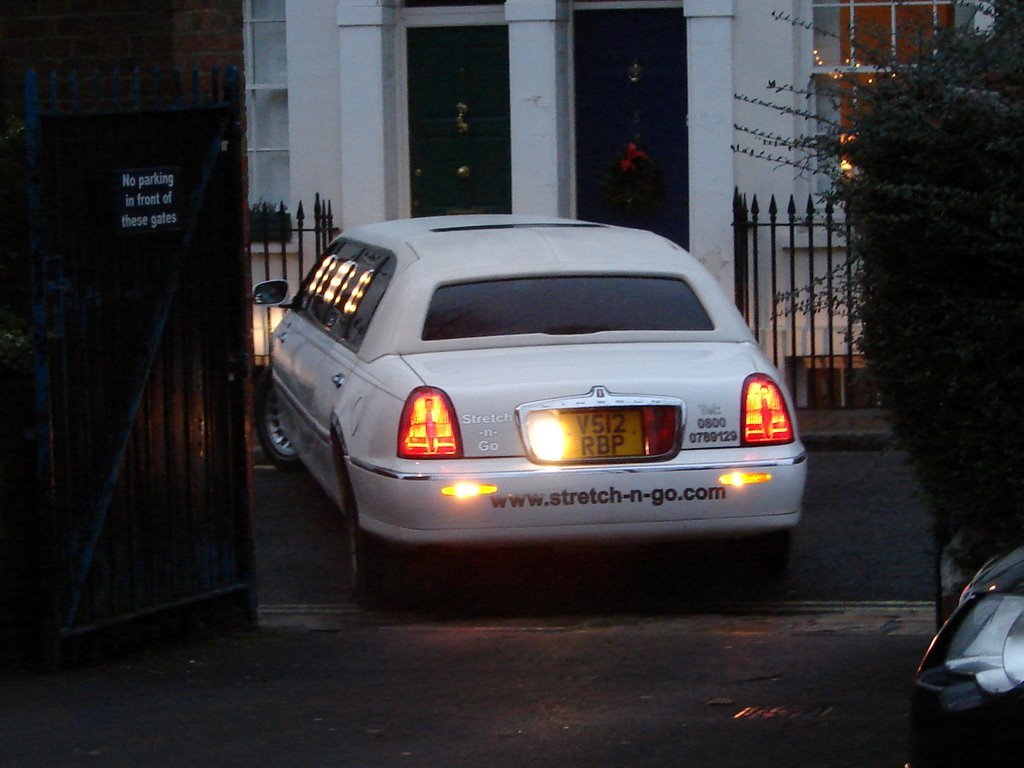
(342, 292)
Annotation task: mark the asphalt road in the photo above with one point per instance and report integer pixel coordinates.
(546, 658)
(714, 692)
(864, 538)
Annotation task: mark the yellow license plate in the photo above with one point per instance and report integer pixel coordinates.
(602, 433)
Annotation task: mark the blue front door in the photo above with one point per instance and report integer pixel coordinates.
(630, 74)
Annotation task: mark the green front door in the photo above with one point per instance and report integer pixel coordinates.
(459, 156)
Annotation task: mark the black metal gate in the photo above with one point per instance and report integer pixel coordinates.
(143, 343)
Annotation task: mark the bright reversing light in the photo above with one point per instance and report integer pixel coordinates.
(547, 441)
(467, 490)
(739, 479)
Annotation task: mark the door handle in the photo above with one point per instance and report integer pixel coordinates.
(338, 379)
(461, 125)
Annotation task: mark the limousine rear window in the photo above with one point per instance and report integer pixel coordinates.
(564, 305)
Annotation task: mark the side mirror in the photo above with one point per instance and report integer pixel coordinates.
(272, 293)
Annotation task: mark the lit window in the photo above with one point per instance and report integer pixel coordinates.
(853, 37)
(855, 33)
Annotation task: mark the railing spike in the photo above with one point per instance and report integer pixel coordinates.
(97, 90)
(231, 84)
(53, 90)
(137, 87)
(74, 90)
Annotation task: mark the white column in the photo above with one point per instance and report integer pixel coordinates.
(539, 102)
(314, 143)
(710, 85)
(369, 177)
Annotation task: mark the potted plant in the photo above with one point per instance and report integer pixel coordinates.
(270, 223)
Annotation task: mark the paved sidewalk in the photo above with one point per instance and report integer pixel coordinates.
(839, 429)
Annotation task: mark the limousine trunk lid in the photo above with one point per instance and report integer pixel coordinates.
(491, 390)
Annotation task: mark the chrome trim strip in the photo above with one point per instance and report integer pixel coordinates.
(605, 469)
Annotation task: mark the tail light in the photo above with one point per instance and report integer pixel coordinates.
(660, 427)
(766, 419)
(428, 429)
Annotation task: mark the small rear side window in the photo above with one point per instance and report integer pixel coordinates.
(564, 305)
(342, 292)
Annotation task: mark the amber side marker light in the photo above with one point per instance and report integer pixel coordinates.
(468, 490)
(739, 479)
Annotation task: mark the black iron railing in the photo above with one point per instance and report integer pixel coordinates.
(280, 247)
(796, 284)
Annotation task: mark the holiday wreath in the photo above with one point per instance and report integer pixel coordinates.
(633, 182)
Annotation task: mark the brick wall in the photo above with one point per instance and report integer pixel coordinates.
(84, 35)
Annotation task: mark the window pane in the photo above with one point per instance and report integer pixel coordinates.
(828, 98)
(564, 306)
(826, 37)
(268, 10)
(269, 116)
(869, 32)
(270, 180)
(269, 54)
(872, 34)
(914, 26)
(343, 291)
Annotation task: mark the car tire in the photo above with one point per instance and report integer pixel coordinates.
(275, 443)
(364, 565)
(368, 556)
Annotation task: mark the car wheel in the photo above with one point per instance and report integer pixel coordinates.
(772, 551)
(275, 443)
(365, 567)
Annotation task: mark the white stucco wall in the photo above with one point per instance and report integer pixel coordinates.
(346, 98)
(313, 101)
(368, 118)
(538, 35)
(710, 67)
(771, 49)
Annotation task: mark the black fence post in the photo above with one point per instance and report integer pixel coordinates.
(740, 227)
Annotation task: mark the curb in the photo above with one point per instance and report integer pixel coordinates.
(848, 441)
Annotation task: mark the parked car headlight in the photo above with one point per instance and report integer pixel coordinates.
(985, 654)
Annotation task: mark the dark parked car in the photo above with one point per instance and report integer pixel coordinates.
(968, 706)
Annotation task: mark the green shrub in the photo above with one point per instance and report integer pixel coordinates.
(937, 195)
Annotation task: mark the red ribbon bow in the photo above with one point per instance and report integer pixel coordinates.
(632, 154)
